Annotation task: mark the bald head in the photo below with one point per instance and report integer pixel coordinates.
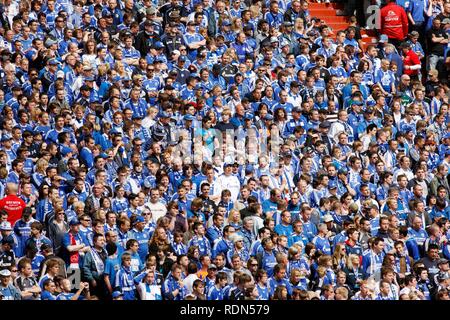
(12, 188)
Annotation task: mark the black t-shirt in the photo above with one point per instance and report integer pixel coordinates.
(436, 48)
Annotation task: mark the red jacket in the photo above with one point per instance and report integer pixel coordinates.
(14, 206)
(394, 22)
(411, 59)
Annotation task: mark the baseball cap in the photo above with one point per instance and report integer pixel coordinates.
(227, 164)
(53, 62)
(136, 116)
(182, 58)
(188, 117)
(212, 266)
(328, 218)
(288, 24)
(6, 226)
(5, 138)
(65, 151)
(268, 117)
(49, 42)
(274, 39)
(325, 124)
(444, 276)
(342, 171)
(383, 38)
(226, 23)
(90, 78)
(442, 261)
(248, 116)
(60, 74)
(8, 240)
(164, 114)
(308, 150)
(284, 43)
(139, 219)
(447, 135)
(286, 154)
(296, 109)
(74, 222)
(332, 184)
(106, 14)
(5, 273)
(158, 45)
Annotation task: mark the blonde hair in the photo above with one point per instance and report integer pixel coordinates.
(350, 258)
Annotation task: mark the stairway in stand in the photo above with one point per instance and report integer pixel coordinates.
(327, 12)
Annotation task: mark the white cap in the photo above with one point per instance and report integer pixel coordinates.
(60, 74)
(6, 226)
(327, 218)
(5, 273)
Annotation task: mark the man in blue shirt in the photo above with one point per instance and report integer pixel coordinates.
(285, 227)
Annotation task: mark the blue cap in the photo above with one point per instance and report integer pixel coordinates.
(5, 138)
(158, 45)
(226, 23)
(116, 294)
(447, 135)
(53, 62)
(286, 154)
(227, 164)
(249, 168)
(182, 58)
(139, 219)
(90, 78)
(164, 114)
(116, 78)
(188, 117)
(65, 151)
(136, 116)
(289, 65)
(268, 117)
(332, 184)
(248, 116)
(383, 38)
(74, 222)
(342, 171)
(103, 155)
(126, 78)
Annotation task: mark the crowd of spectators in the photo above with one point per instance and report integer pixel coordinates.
(222, 150)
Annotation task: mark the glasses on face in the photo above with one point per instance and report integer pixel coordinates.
(14, 270)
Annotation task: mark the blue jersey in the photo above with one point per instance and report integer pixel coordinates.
(215, 294)
(203, 244)
(125, 281)
(142, 238)
(268, 262)
(322, 244)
